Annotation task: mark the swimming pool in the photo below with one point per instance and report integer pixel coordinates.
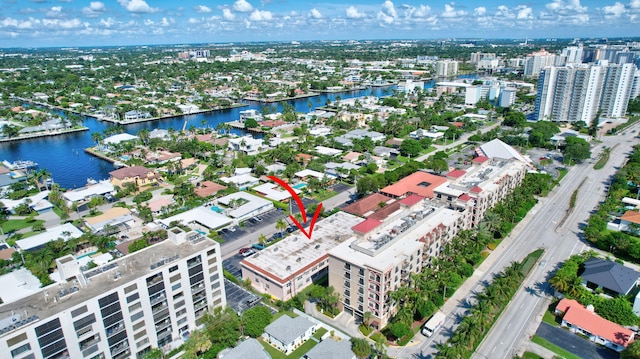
(217, 209)
(86, 255)
(300, 185)
(202, 233)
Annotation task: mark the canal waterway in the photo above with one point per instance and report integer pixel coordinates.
(64, 156)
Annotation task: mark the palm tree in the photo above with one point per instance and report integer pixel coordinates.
(281, 225)
(262, 239)
(366, 319)
(561, 281)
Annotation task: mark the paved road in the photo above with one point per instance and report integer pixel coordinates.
(459, 141)
(541, 228)
(575, 344)
(521, 317)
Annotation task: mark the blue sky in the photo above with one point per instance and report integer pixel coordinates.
(36, 23)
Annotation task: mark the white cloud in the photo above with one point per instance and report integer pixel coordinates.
(148, 22)
(193, 21)
(242, 6)
(258, 15)
(137, 6)
(634, 4)
(202, 9)
(59, 24)
(228, 14)
(480, 11)
(524, 12)
(94, 9)
(385, 18)
(451, 12)
(109, 22)
(353, 13)
(615, 10)
(422, 11)
(55, 12)
(389, 9)
(561, 6)
(167, 21)
(314, 13)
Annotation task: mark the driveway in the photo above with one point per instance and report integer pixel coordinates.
(574, 343)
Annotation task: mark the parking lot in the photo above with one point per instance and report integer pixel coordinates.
(238, 298)
(232, 265)
(251, 225)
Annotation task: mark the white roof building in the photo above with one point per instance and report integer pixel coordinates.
(121, 137)
(99, 189)
(64, 232)
(253, 205)
(273, 191)
(203, 216)
(327, 151)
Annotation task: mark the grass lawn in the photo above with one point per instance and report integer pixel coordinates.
(549, 318)
(287, 312)
(554, 348)
(319, 333)
(323, 194)
(530, 355)
(18, 224)
(298, 353)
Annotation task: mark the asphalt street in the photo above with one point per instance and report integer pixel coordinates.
(560, 240)
(541, 228)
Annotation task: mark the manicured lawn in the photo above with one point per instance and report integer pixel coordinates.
(298, 353)
(554, 348)
(18, 224)
(323, 194)
(530, 355)
(549, 318)
(279, 314)
(319, 333)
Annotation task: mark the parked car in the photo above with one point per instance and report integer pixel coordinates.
(242, 250)
(258, 246)
(248, 253)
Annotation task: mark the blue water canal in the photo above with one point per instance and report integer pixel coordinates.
(64, 157)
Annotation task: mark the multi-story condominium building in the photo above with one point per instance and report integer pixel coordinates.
(617, 90)
(539, 60)
(287, 267)
(446, 68)
(507, 96)
(577, 93)
(635, 87)
(121, 309)
(382, 254)
(572, 54)
(480, 187)
(477, 56)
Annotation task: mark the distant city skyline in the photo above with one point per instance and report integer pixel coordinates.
(42, 23)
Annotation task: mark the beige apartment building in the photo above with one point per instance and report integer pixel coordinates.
(284, 269)
(382, 254)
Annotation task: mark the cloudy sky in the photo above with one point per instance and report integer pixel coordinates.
(34, 23)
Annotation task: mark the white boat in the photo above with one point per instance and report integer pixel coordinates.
(20, 164)
(118, 164)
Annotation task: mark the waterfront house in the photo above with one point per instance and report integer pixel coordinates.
(134, 115)
(136, 174)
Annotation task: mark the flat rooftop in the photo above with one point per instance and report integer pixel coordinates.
(103, 279)
(291, 255)
(396, 239)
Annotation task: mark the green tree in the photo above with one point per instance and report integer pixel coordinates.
(632, 351)
(251, 123)
(399, 330)
(255, 320)
(137, 245)
(410, 147)
(576, 149)
(360, 347)
(281, 225)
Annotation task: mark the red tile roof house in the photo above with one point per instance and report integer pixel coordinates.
(599, 330)
(420, 183)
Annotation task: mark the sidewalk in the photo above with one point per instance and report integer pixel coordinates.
(343, 321)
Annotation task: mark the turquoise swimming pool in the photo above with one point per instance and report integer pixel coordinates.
(217, 209)
(300, 185)
(86, 255)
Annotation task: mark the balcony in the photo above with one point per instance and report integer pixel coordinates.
(157, 298)
(161, 315)
(163, 325)
(194, 263)
(119, 348)
(115, 329)
(86, 344)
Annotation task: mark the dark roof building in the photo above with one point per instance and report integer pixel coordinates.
(331, 349)
(612, 277)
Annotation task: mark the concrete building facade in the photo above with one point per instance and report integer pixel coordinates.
(122, 309)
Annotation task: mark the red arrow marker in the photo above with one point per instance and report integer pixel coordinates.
(295, 196)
